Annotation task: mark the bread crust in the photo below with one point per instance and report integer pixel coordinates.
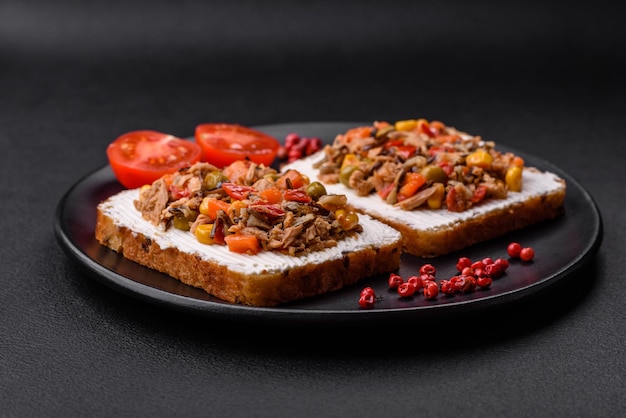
(428, 243)
(265, 289)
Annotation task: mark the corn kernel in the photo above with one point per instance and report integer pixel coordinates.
(204, 206)
(203, 233)
(479, 158)
(349, 160)
(513, 178)
(406, 125)
(436, 200)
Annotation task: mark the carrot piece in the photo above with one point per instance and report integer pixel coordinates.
(291, 179)
(449, 138)
(437, 126)
(210, 206)
(410, 186)
(518, 161)
(358, 132)
(243, 244)
(271, 195)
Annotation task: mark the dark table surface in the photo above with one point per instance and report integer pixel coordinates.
(541, 77)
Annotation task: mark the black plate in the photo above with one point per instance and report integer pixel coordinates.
(562, 246)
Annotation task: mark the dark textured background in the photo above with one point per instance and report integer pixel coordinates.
(543, 77)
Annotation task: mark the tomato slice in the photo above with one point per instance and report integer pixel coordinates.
(295, 195)
(141, 157)
(238, 191)
(224, 143)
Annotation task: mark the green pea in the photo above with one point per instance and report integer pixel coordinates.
(214, 179)
(182, 223)
(345, 173)
(316, 190)
(183, 218)
(434, 174)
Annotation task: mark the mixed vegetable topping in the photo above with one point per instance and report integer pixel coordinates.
(249, 207)
(420, 164)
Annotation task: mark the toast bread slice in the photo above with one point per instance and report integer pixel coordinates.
(433, 232)
(268, 278)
